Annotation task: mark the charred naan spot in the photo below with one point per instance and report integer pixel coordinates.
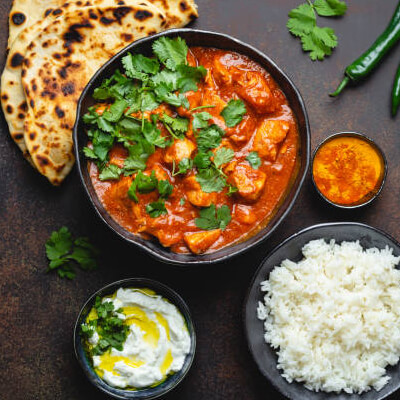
(54, 85)
(32, 103)
(57, 12)
(32, 135)
(183, 6)
(73, 35)
(42, 160)
(68, 89)
(34, 87)
(23, 73)
(152, 32)
(120, 3)
(35, 148)
(18, 136)
(23, 106)
(93, 15)
(47, 93)
(57, 56)
(63, 71)
(18, 18)
(142, 15)
(21, 116)
(192, 17)
(127, 37)
(48, 11)
(120, 12)
(9, 109)
(16, 60)
(106, 21)
(27, 63)
(4, 97)
(60, 113)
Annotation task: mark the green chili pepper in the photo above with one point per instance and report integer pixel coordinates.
(368, 61)
(396, 93)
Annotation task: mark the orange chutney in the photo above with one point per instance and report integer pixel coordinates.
(348, 170)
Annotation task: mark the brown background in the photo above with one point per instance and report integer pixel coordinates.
(38, 311)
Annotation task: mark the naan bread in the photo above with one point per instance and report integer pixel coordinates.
(12, 95)
(25, 13)
(179, 12)
(60, 62)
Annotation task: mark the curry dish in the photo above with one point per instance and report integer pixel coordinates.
(223, 155)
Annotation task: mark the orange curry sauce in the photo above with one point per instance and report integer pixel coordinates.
(269, 127)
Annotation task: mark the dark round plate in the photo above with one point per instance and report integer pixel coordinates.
(264, 356)
(208, 39)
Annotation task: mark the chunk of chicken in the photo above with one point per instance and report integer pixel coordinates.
(250, 182)
(221, 72)
(268, 136)
(244, 214)
(179, 150)
(196, 195)
(159, 172)
(253, 87)
(199, 242)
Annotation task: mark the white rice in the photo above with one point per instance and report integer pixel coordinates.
(334, 317)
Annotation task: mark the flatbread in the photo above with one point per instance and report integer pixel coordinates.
(12, 94)
(25, 13)
(179, 12)
(60, 62)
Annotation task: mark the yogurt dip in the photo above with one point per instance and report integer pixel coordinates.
(156, 345)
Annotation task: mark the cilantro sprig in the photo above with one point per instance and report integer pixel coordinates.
(111, 329)
(233, 113)
(302, 23)
(213, 218)
(64, 253)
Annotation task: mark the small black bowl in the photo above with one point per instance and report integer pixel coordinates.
(207, 39)
(370, 197)
(263, 354)
(148, 393)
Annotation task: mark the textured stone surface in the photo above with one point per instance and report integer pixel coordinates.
(38, 311)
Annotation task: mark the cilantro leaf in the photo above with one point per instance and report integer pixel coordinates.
(200, 120)
(171, 52)
(89, 153)
(62, 250)
(156, 209)
(189, 77)
(223, 156)
(110, 172)
(153, 134)
(209, 138)
(143, 184)
(182, 201)
(210, 180)
(92, 117)
(164, 93)
(202, 160)
(183, 167)
(102, 143)
(148, 101)
(116, 110)
(254, 159)
(165, 188)
(177, 126)
(210, 218)
(319, 42)
(170, 78)
(233, 112)
(330, 8)
(301, 20)
(136, 161)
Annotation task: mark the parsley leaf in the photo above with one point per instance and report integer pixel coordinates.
(254, 159)
(62, 250)
(223, 156)
(330, 8)
(211, 218)
(200, 120)
(156, 209)
(110, 172)
(233, 112)
(171, 52)
(303, 24)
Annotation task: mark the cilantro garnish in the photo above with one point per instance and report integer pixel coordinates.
(110, 172)
(156, 209)
(146, 184)
(176, 126)
(182, 201)
(164, 189)
(212, 218)
(209, 138)
(254, 159)
(200, 120)
(63, 252)
(210, 180)
(233, 112)
(223, 156)
(303, 24)
(171, 52)
(183, 167)
(111, 329)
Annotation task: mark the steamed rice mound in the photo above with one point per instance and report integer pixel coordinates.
(334, 317)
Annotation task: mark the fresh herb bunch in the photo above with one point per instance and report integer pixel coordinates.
(111, 329)
(213, 218)
(303, 23)
(63, 252)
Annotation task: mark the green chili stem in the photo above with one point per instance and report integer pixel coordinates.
(341, 86)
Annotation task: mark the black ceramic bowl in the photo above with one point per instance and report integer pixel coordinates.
(264, 356)
(370, 197)
(148, 393)
(207, 39)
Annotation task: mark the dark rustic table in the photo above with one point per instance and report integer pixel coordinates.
(38, 311)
